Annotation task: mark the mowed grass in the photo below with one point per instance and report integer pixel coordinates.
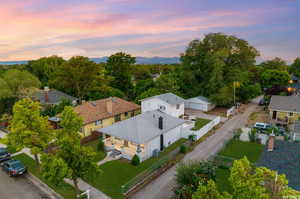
(118, 172)
(200, 122)
(100, 154)
(65, 190)
(238, 149)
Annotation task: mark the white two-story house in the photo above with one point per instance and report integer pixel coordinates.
(168, 103)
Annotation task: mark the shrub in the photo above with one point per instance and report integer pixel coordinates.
(135, 160)
(183, 148)
(192, 137)
(252, 135)
(237, 134)
(100, 145)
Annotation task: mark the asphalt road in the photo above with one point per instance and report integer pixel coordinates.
(18, 188)
(162, 187)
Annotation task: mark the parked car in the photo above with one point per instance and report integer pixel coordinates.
(4, 154)
(14, 167)
(262, 126)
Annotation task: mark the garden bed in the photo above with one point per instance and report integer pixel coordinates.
(65, 190)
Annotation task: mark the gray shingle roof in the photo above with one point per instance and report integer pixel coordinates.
(143, 127)
(54, 96)
(170, 98)
(285, 103)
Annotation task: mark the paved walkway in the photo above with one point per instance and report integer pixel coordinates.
(162, 187)
(94, 193)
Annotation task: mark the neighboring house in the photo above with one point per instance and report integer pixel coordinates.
(296, 131)
(52, 97)
(284, 109)
(199, 103)
(168, 103)
(105, 112)
(145, 134)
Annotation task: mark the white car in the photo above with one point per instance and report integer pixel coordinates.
(262, 126)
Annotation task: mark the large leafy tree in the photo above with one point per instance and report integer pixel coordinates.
(215, 62)
(28, 128)
(119, 66)
(167, 83)
(17, 84)
(45, 68)
(295, 67)
(210, 191)
(71, 160)
(79, 75)
(274, 78)
(274, 64)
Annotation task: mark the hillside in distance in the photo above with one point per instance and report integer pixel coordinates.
(139, 60)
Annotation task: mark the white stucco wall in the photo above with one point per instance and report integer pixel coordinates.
(155, 104)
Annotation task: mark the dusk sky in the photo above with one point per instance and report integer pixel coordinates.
(94, 28)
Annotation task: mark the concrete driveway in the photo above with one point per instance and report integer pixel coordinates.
(162, 187)
(201, 114)
(18, 188)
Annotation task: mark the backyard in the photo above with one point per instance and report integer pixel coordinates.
(64, 189)
(118, 172)
(200, 122)
(100, 155)
(236, 149)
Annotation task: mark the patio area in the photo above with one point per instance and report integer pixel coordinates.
(127, 149)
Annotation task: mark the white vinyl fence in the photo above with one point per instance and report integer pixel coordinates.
(186, 130)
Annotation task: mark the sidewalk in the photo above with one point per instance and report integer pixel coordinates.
(94, 193)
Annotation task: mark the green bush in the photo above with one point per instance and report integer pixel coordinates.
(135, 160)
(192, 137)
(237, 134)
(100, 145)
(252, 135)
(183, 148)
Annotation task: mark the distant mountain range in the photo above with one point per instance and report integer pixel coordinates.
(139, 60)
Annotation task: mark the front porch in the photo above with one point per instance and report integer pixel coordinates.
(128, 149)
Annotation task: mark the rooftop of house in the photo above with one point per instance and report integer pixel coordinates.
(143, 127)
(104, 108)
(200, 98)
(170, 98)
(285, 103)
(296, 127)
(285, 158)
(52, 96)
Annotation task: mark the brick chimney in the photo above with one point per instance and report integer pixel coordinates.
(109, 104)
(160, 123)
(46, 93)
(271, 142)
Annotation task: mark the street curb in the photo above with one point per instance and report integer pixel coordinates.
(44, 187)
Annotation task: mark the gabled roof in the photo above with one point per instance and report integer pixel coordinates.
(170, 98)
(143, 127)
(97, 110)
(199, 99)
(54, 96)
(285, 103)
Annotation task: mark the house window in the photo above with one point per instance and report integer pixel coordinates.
(132, 114)
(163, 108)
(126, 114)
(177, 106)
(291, 114)
(117, 118)
(98, 122)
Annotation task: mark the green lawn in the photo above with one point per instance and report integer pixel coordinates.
(100, 154)
(238, 149)
(65, 190)
(222, 176)
(118, 172)
(200, 122)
